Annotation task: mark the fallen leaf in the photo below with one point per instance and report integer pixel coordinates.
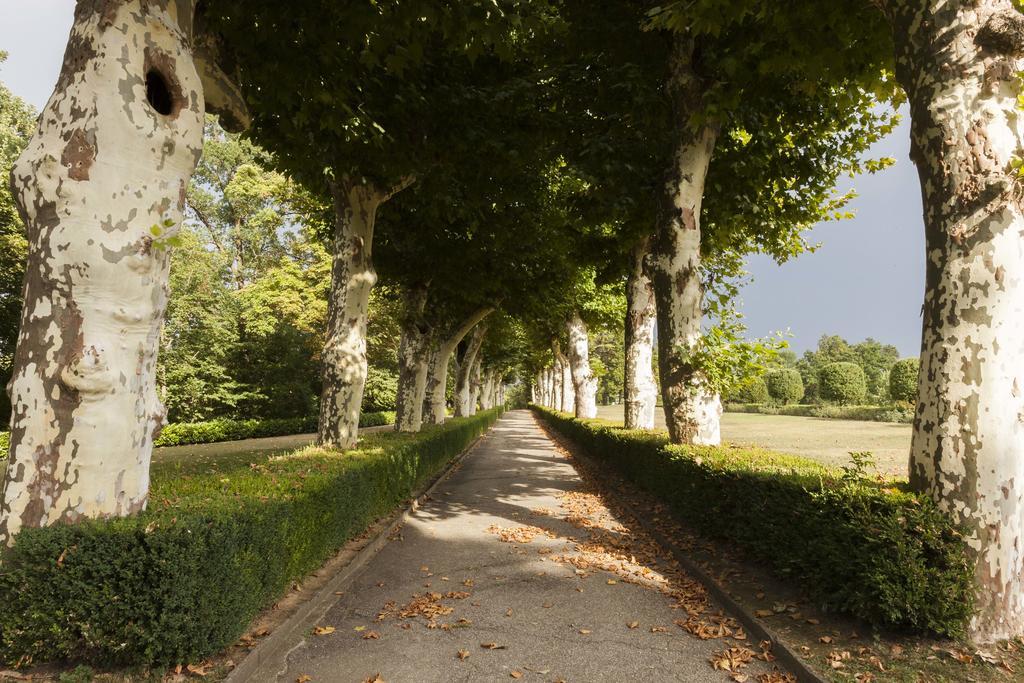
(492, 646)
(508, 612)
(763, 613)
(198, 669)
(359, 628)
(633, 624)
(612, 582)
(813, 622)
(324, 630)
(825, 639)
(371, 635)
(585, 631)
(374, 679)
(659, 629)
(516, 674)
(304, 678)
(463, 654)
(547, 605)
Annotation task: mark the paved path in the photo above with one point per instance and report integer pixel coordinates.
(544, 607)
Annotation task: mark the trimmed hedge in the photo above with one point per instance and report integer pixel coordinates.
(861, 547)
(866, 413)
(752, 390)
(785, 385)
(843, 383)
(215, 431)
(903, 380)
(219, 542)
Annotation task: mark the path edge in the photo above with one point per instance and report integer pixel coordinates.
(783, 654)
(264, 662)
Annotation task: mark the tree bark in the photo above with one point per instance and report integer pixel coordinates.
(584, 382)
(557, 385)
(958, 63)
(563, 379)
(640, 389)
(101, 189)
(437, 379)
(465, 403)
(475, 384)
(692, 409)
(413, 362)
(487, 390)
(352, 278)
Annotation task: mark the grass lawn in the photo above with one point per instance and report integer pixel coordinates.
(827, 441)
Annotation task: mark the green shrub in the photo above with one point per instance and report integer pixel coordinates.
(866, 413)
(785, 385)
(751, 390)
(903, 380)
(861, 547)
(219, 542)
(842, 383)
(380, 391)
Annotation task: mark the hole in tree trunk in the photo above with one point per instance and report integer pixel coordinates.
(158, 92)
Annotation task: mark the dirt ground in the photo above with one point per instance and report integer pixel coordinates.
(825, 440)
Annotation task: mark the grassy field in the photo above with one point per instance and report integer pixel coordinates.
(824, 440)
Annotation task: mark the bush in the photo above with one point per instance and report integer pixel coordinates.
(785, 385)
(220, 542)
(903, 380)
(751, 390)
(380, 391)
(233, 430)
(842, 383)
(865, 413)
(865, 548)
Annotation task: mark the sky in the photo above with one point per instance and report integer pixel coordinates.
(865, 280)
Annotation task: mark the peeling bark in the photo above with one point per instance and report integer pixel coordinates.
(352, 278)
(465, 402)
(475, 384)
(116, 146)
(583, 380)
(487, 390)
(564, 388)
(958, 63)
(639, 386)
(413, 362)
(692, 411)
(557, 385)
(437, 378)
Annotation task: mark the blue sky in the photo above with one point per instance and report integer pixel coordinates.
(866, 279)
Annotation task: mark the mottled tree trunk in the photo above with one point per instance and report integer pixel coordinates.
(640, 389)
(692, 410)
(475, 384)
(101, 189)
(557, 386)
(437, 379)
(487, 390)
(352, 278)
(584, 382)
(413, 362)
(564, 387)
(465, 403)
(958, 63)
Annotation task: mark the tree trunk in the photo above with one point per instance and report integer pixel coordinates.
(413, 363)
(692, 409)
(557, 386)
(352, 278)
(437, 380)
(584, 382)
(101, 189)
(465, 403)
(475, 385)
(639, 386)
(486, 391)
(958, 63)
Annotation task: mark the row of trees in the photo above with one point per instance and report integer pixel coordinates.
(531, 162)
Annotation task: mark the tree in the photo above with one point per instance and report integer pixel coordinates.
(842, 383)
(784, 385)
(129, 104)
(378, 102)
(903, 380)
(17, 121)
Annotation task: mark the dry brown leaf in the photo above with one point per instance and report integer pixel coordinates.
(324, 630)
(198, 669)
(585, 631)
(763, 613)
(374, 679)
(633, 624)
(492, 646)
(371, 635)
(463, 654)
(304, 678)
(516, 674)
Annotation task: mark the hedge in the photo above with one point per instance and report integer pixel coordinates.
(843, 383)
(857, 546)
(217, 545)
(752, 390)
(866, 413)
(231, 430)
